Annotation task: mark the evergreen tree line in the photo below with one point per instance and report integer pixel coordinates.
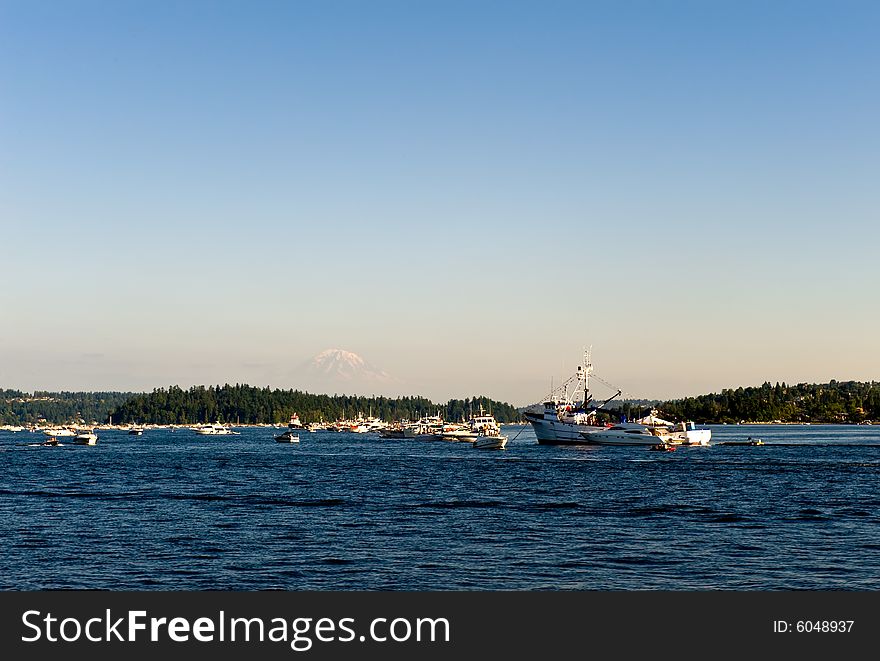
(243, 404)
(22, 408)
(842, 402)
(847, 402)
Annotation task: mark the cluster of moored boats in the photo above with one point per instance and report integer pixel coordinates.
(75, 435)
(481, 430)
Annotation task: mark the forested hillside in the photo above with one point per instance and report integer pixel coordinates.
(21, 408)
(245, 404)
(837, 401)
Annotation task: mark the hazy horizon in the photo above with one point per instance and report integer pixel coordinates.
(463, 194)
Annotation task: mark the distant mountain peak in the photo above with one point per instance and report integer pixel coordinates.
(346, 366)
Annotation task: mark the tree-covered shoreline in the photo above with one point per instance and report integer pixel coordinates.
(243, 404)
(847, 402)
(23, 408)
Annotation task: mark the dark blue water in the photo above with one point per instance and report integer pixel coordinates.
(355, 512)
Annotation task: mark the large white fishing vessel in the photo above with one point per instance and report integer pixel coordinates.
(568, 414)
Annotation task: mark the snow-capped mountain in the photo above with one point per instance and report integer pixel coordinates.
(337, 371)
(345, 366)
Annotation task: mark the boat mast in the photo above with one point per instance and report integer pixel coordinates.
(585, 370)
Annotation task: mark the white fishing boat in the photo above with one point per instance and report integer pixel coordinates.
(136, 431)
(568, 413)
(568, 418)
(295, 422)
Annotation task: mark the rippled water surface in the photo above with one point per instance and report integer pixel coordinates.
(174, 510)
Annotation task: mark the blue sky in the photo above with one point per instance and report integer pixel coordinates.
(465, 194)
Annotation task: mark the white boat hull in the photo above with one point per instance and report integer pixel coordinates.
(622, 438)
(59, 433)
(697, 437)
(461, 436)
(214, 430)
(556, 432)
(490, 443)
(85, 439)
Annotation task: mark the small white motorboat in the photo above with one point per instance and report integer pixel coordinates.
(86, 437)
(215, 429)
(287, 437)
(490, 442)
(59, 432)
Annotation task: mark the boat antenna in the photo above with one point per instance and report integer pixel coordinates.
(586, 368)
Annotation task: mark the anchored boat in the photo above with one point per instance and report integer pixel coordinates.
(478, 426)
(292, 433)
(569, 418)
(86, 437)
(568, 415)
(490, 440)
